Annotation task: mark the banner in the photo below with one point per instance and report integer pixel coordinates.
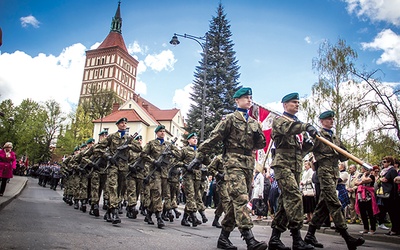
(265, 118)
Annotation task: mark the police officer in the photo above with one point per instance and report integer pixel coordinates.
(240, 135)
(292, 144)
(328, 174)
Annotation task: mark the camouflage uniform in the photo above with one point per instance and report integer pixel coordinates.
(67, 176)
(328, 174)
(288, 137)
(152, 151)
(239, 138)
(173, 180)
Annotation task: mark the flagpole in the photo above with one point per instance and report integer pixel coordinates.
(325, 141)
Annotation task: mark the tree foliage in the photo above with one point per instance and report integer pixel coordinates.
(222, 74)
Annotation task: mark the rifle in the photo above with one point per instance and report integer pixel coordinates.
(120, 150)
(137, 166)
(162, 160)
(173, 171)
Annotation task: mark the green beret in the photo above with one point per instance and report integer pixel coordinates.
(327, 114)
(91, 140)
(289, 97)
(83, 145)
(104, 132)
(76, 148)
(159, 127)
(191, 135)
(123, 119)
(139, 137)
(241, 92)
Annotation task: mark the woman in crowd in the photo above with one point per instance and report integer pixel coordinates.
(7, 165)
(258, 190)
(366, 205)
(387, 176)
(341, 186)
(307, 187)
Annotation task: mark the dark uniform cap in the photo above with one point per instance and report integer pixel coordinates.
(241, 92)
(289, 97)
(104, 132)
(159, 127)
(191, 135)
(76, 148)
(123, 119)
(83, 145)
(327, 114)
(139, 137)
(91, 140)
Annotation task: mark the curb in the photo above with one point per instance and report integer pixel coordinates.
(17, 193)
(375, 237)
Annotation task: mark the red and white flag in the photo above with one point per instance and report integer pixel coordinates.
(265, 117)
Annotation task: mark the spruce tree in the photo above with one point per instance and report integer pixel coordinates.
(222, 75)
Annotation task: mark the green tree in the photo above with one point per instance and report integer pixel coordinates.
(7, 119)
(222, 74)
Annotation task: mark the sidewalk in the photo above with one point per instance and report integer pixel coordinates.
(13, 189)
(353, 229)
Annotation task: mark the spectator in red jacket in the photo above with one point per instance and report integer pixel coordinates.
(7, 165)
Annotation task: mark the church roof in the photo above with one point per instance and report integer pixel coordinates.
(113, 39)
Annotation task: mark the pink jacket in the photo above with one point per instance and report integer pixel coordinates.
(7, 164)
(363, 189)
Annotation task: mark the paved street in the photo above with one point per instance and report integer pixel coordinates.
(38, 219)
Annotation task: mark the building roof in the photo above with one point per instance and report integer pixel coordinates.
(130, 114)
(113, 39)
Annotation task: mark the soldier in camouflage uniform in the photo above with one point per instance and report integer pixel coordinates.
(95, 163)
(116, 147)
(240, 135)
(66, 169)
(328, 174)
(75, 177)
(80, 187)
(152, 152)
(217, 169)
(188, 153)
(173, 181)
(292, 144)
(136, 167)
(140, 175)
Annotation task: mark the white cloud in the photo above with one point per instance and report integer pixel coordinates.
(376, 10)
(307, 39)
(141, 87)
(163, 61)
(136, 48)
(389, 42)
(182, 99)
(95, 46)
(44, 77)
(29, 20)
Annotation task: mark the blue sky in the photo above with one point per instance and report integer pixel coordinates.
(44, 43)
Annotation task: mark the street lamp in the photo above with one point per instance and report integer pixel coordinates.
(174, 41)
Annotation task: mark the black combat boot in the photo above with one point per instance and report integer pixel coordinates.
(160, 222)
(83, 205)
(298, 243)
(105, 204)
(115, 216)
(148, 218)
(352, 243)
(96, 211)
(91, 210)
(170, 215)
(193, 219)
(216, 222)
(142, 210)
(131, 212)
(76, 204)
(164, 215)
(252, 244)
(70, 202)
(184, 221)
(224, 242)
(310, 237)
(107, 215)
(275, 242)
(203, 216)
(177, 213)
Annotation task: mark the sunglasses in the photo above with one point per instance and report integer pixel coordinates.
(384, 161)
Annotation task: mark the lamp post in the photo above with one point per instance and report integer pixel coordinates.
(174, 41)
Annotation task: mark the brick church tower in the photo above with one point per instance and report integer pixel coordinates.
(110, 67)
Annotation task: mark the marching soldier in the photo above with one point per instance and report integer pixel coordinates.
(292, 144)
(188, 153)
(116, 147)
(80, 187)
(328, 174)
(66, 169)
(240, 135)
(153, 152)
(217, 169)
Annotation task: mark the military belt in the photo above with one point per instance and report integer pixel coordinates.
(241, 151)
(287, 150)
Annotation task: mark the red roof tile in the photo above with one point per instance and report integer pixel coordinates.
(130, 114)
(112, 40)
